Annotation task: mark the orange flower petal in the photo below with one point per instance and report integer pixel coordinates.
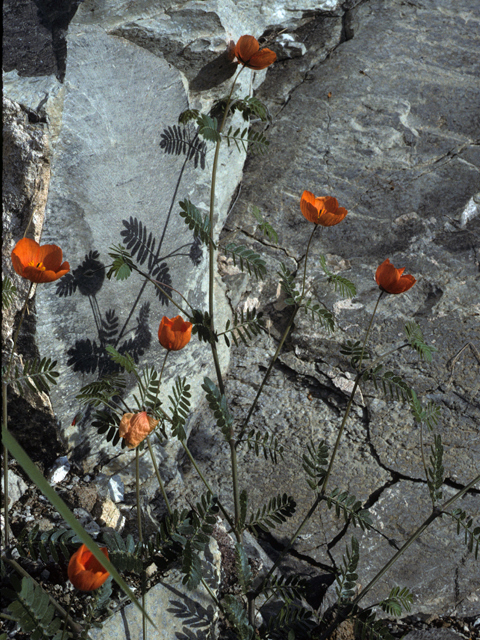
(323, 211)
(38, 263)
(261, 60)
(84, 570)
(135, 427)
(175, 333)
(391, 279)
(248, 52)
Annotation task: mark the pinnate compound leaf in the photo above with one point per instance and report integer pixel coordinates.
(353, 350)
(33, 611)
(315, 463)
(263, 443)
(436, 470)
(191, 567)
(368, 628)
(201, 326)
(237, 616)
(347, 505)
(428, 415)
(398, 600)
(415, 338)
(264, 226)
(247, 259)
(180, 407)
(200, 225)
(465, 523)
(243, 568)
(347, 578)
(392, 385)
(347, 289)
(275, 512)
(122, 265)
(245, 325)
(208, 128)
(37, 374)
(8, 292)
(124, 360)
(218, 405)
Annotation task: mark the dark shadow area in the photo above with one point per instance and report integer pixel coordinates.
(214, 73)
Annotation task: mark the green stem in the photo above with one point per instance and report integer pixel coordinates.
(160, 482)
(204, 480)
(159, 286)
(436, 513)
(137, 487)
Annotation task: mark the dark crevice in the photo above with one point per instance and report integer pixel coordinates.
(270, 543)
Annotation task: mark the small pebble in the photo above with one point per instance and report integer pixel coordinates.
(59, 471)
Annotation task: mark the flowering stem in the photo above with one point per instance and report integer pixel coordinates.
(160, 287)
(436, 513)
(137, 487)
(157, 473)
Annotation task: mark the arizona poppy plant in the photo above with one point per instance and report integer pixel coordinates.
(174, 334)
(84, 571)
(135, 427)
(38, 263)
(323, 211)
(391, 280)
(248, 52)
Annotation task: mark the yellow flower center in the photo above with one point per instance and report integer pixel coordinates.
(38, 266)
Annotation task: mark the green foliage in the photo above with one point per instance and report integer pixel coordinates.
(108, 423)
(244, 323)
(248, 140)
(287, 282)
(218, 405)
(319, 313)
(265, 227)
(347, 577)
(37, 374)
(50, 543)
(353, 350)
(191, 567)
(244, 572)
(149, 385)
(471, 533)
(263, 443)
(188, 115)
(125, 555)
(368, 628)
(246, 259)
(275, 512)
(8, 292)
(288, 588)
(435, 471)
(125, 361)
(208, 127)
(249, 107)
(314, 464)
(237, 616)
(122, 265)
(34, 613)
(429, 415)
(397, 601)
(101, 391)
(415, 338)
(347, 289)
(180, 407)
(347, 505)
(289, 619)
(392, 385)
(200, 225)
(201, 326)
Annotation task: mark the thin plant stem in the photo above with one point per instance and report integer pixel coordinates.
(5, 415)
(160, 482)
(137, 488)
(436, 513)
(76, 628)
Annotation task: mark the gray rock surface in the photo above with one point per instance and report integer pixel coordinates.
(373, 102)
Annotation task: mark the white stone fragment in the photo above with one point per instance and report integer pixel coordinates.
(116, 488)
(59, 470)
(470, 211)
(16, 488)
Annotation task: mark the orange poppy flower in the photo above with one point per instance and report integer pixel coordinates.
(322, 211)
(38, 264)
(391, 280)
(174, 334)
(135, 427)
(84, 570)
(248, 52)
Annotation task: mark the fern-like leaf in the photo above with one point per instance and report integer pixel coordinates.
(263, 443)
(122, 265)
(347, 505)
(392, 385)
(428, 415)
(415, 338)
(287, 588)
(315, 463)
(264, 226)
(471, 533)
(188, 115)
(398, 600)
(347, 289)
(37, 374)
(319, 313)
(150, 389)
(208, 128)
(125, 555)
(218, 406)
(184, 141)
(247, 259)
(198, 224)
(101, 391)
(249, 107)
(180, 407)
(191, 567)
(201, 326)
(245, 325)
(107, 423)
(244, 572)
(435, 471)
(288, 620)
(8, 292)
(125, 361)
(138, 240)
(247, 140)
(275, 512)
(353, 350)
(237, 616)
(287, 282)
(368, 628)
(34, 613)
(347, 577)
